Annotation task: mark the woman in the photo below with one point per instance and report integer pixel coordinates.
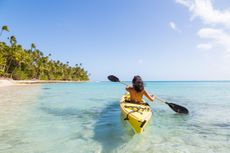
(137, 90)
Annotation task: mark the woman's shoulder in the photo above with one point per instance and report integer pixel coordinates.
(129, 87)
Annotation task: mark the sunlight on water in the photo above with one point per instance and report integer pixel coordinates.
(85, 117)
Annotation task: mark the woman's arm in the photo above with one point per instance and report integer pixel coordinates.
(150, 97)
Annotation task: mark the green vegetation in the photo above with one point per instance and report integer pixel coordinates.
(20, 64)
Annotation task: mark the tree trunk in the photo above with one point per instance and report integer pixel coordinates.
(9, 65)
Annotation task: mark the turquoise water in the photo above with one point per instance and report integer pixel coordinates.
(85, 117)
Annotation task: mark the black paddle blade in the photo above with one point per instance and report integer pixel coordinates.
(178, 108)
(113, 78)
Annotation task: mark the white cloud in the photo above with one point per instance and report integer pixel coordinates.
(174, 26)
(140, 61)
(206, 12)
(210, 16)
(217, 37)
(215, 31)
(184, 2)
(204, 46)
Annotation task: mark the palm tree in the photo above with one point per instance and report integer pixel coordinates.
(13, 40)
(38, 62)
(11, 53)
(4, 28)
(19, 63)
(20, 57)
(2, 64)
(33, 46)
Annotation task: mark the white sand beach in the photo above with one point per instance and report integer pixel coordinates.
(5, 82)
(9, 82)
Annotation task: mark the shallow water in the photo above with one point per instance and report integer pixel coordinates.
(85, 117)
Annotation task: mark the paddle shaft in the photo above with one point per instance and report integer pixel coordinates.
(160, 100)
(123, 83)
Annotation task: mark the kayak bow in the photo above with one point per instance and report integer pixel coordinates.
(137, 114)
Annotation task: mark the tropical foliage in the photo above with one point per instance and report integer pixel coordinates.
(20, 64)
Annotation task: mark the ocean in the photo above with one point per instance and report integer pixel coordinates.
(85, 118)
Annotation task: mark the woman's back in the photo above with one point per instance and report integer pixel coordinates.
(134, 95)
(137, 90)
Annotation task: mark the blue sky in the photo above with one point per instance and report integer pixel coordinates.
(159, 40)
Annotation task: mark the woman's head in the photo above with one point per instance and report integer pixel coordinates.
(138, 83)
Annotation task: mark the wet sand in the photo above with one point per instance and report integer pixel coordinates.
(10, 82)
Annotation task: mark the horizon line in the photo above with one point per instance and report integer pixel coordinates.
(169, 81)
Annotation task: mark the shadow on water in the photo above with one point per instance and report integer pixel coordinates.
(110, 129)
(71, 113)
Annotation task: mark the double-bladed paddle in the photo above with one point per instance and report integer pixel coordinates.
(175, 107)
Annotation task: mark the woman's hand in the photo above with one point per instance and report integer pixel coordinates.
(153, 97)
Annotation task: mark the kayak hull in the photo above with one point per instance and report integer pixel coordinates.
(136, 114)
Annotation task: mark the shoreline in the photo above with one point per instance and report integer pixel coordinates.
(4, 82)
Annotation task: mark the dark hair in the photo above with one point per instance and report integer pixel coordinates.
(138, 84)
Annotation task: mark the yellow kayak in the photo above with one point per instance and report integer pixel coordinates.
(137, 114)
